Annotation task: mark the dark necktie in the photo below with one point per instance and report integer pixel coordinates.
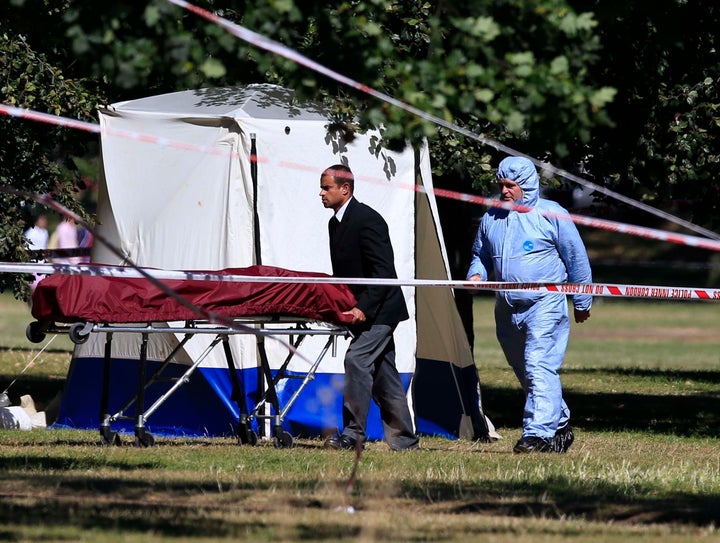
(334, 223)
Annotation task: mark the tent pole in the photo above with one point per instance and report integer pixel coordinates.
(262, 430)
(256, 216)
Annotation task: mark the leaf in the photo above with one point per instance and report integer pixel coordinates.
(603, 96)
(559, 65)
(372, 29)
(484, 95)
(213, 68)
(521, 59)
(152, 15)
(515, 122)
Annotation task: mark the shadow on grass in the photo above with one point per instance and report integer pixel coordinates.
(695, 415)
(560, 498)
(170, 508)
(189, 509)
(50, 464)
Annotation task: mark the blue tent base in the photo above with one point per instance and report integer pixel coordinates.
(195, 410)
(455, 397)
(205, 405)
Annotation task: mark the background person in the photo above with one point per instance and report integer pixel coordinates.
(66, 236)
(360, 247)
(38, 236)
(533, 327)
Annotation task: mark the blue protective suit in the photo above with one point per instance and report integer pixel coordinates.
(532, 327)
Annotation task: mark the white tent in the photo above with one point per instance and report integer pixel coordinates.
(229, 177)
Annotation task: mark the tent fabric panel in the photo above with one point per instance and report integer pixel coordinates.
(175, 206)
(126, 345)
(318, 410)
(263, 101)
(438, 317)
(101, 254)
(201, 407)
(308, 351)
(291, 157)
(425, 170)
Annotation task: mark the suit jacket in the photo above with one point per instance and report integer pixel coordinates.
(360, 247)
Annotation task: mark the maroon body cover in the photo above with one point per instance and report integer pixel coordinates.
(101, 299)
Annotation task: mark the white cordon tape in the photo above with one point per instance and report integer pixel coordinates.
(591, 289)
(640, 231)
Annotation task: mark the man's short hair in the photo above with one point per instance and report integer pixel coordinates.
(341, 174)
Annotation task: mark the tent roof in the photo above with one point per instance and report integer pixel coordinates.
(259, 101)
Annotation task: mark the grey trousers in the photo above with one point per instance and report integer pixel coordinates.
(370, 373)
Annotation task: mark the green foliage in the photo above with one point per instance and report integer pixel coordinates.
(33, 157)
(468, 64)
(511, 71)
(662, 58)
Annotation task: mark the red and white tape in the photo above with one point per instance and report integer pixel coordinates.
(592, 289)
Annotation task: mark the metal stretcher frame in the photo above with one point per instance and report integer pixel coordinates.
(295, 328)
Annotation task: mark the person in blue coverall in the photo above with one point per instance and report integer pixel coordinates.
(533, 327)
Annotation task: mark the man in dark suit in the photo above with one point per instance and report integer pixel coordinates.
(360, 247)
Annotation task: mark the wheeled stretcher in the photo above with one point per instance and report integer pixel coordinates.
(290, 311)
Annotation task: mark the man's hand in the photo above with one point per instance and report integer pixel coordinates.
(477, 278)
(357, 315)
(582, 315)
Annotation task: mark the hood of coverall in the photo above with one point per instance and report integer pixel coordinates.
(523, 172)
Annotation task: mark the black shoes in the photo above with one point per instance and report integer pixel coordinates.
(530, 444)
(346, 442)
(559, 443)
(562, 439)
(341, 442)
(412, 447)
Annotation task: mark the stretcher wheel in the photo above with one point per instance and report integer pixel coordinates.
(283, 440)
(144, 439)
(246, 435)
(35, 332)
(109, 437)
(79, 332)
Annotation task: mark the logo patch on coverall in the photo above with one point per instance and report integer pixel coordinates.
(528, 246)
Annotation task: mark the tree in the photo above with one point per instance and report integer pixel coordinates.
(513, 70)
(663, 146)
(33, 156)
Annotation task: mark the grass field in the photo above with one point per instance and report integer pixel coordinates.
(642, 379)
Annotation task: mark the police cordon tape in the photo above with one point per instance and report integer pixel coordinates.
(592, 289)
(604, 224)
